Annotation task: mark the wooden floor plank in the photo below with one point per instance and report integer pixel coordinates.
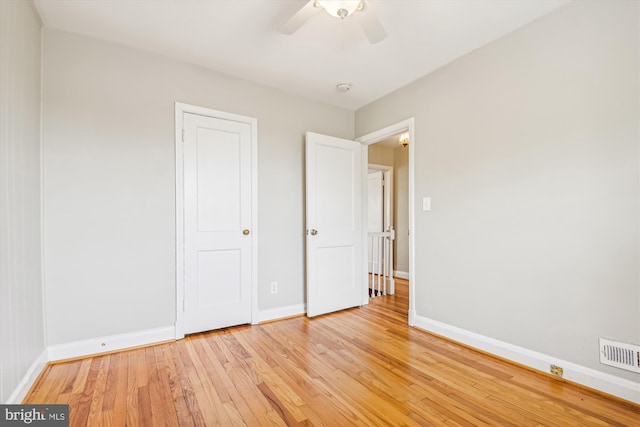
(175, 391)
(97, 396)
(185, 388)
(132, 419)
(207, 398)
(362, 366)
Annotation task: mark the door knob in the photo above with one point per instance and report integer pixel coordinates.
(314, 232)
(246, 232)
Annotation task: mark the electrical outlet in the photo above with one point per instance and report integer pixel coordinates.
(274, 287)
(557, 370)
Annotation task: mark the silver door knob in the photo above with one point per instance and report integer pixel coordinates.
(314, 232)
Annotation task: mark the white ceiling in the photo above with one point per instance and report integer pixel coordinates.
(240, 38)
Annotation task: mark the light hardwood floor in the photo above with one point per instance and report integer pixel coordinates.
(362, 366)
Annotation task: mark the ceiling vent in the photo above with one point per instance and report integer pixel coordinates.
(621, 355)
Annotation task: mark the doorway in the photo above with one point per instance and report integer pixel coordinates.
(381, 233)
(403, 222)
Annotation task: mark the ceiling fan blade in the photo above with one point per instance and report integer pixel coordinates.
(371, 25)
(300, 17)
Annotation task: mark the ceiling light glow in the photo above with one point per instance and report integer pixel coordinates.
(339, 8)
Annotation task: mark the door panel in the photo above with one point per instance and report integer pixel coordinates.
(218, 186)
(217, 209)
(211, 266)
(334, 196)
(334, 224)
(341, 260)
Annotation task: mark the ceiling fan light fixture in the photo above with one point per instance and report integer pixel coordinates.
(340, 8)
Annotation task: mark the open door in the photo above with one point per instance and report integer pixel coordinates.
(335, 266)
(375, 203)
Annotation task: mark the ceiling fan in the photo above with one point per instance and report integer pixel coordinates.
(359, 9)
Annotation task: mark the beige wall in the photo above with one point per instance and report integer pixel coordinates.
(21, 314)
(529, 148)
(380, 155)
(109, 173)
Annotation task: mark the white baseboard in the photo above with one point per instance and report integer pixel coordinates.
(588, 377)
(281, 312)
(412, 318)
(110, 343)
(28, 380)
(401, 274)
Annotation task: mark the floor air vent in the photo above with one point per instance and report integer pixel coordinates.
(620, 355)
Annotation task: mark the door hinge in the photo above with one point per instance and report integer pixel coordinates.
(182, 135)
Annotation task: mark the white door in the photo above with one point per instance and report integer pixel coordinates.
(375, 201)
(217, 218)
(334, 224)
(375, 213)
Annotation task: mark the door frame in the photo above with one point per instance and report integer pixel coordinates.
(180, 110)
(407, 125)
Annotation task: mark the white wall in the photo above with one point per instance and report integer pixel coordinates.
(109, 173)
(21, 319)
(529, 148)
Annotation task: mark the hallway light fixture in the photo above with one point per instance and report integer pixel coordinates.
(404, 139)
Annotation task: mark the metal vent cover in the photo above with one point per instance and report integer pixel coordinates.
(620, 355)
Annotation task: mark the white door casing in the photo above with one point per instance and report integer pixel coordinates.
(216, 224)
(334, 186)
